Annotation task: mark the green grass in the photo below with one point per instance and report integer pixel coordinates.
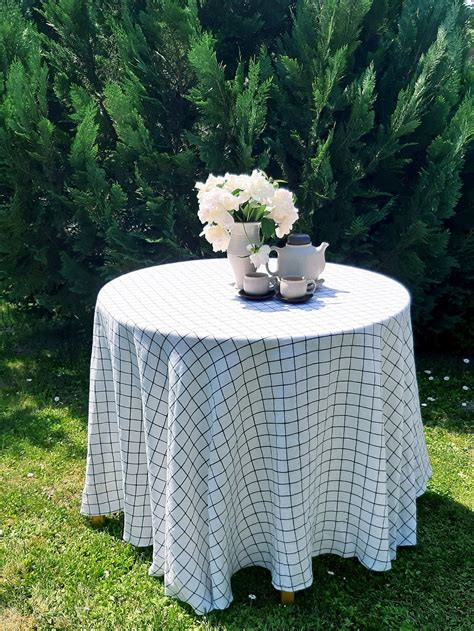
(56, 571)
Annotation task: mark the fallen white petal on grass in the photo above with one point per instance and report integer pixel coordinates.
(465, 387)
(56, 399)
(430, 399)
(30, 475)
(330, 573)
(428, 372)
(446, 378)
(466, 360)
(252, 597)
(106, 574)
(431, 378)
(424, 404)
(464, 404)
(29, 380)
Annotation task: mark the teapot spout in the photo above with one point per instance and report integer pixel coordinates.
(322, 247)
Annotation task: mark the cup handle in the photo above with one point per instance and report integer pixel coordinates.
(274, 282)
(310, 287)
(267, 265)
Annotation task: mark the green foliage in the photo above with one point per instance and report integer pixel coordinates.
(233, 112)
(109, 113)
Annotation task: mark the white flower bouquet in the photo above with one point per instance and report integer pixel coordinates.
(229, 199)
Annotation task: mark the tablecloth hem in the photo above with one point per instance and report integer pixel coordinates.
(97, 511)
(424, 485)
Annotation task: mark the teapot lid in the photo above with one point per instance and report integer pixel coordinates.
(298, 239)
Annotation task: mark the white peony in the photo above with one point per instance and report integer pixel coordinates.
(238, 182)
(260, 188)
(212, 182)
(259, 255)
(217, 236)
(217, 216)
(283, 229)
(215, 205)
(283, 211)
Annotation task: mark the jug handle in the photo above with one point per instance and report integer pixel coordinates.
(273, 248)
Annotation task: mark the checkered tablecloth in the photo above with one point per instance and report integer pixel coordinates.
(235, 433)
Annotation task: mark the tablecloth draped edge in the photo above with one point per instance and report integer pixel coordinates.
(119, 506)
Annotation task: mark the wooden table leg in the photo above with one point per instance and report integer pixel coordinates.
(97, 520)
(287, 598)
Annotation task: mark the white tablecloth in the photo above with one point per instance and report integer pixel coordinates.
(235, 433)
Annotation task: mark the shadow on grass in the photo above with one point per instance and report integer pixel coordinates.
(40, 361)
(39, 364)
(43, 429)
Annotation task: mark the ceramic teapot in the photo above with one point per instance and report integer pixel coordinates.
(299, 258)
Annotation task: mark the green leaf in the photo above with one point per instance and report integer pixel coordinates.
(267, 227)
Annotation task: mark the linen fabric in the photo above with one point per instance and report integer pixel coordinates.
(235, 433)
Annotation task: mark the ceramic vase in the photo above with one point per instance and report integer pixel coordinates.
(242, 235)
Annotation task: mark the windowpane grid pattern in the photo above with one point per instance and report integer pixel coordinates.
(234, 434)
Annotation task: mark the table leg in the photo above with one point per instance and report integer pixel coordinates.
(287, 598)
(97, 520)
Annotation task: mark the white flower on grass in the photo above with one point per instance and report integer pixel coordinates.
(217, 236)
(252, 597)
(30, 475)
(465, 387)
(446, 378)
(428, 372)
(466, 360)
(56, 399)
(259, 254)
(29, 380)
(464, 404)
(430, 378)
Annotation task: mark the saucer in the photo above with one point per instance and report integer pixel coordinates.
(257, 297)
(295, 301)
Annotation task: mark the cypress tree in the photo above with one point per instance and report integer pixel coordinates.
(109, 113)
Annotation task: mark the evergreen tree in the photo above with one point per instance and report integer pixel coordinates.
(31, 227)
(109, 113)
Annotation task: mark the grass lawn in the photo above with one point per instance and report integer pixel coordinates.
(56, 571)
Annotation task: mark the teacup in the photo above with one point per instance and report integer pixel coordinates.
(296, 287)
(257, 284)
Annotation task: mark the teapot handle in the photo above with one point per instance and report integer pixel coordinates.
(273, 248)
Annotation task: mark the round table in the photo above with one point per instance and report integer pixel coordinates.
(234, 433)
